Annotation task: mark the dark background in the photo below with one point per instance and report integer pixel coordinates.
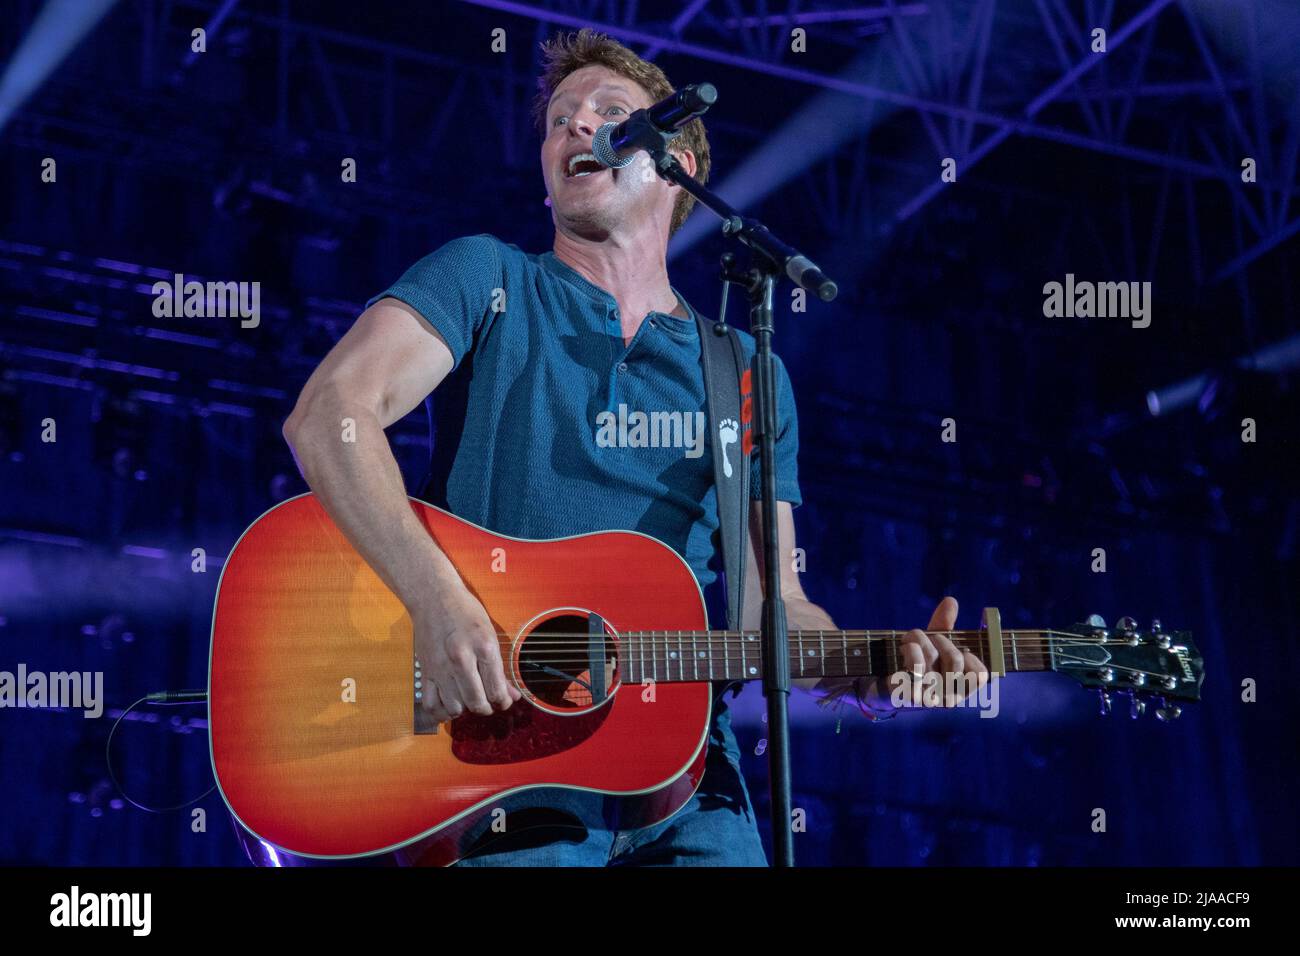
(1124, 166)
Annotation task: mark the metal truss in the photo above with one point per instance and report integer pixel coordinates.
(964, 78)
(1120, 104)
(960, 67)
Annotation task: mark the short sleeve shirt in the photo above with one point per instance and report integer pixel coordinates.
(550, 426)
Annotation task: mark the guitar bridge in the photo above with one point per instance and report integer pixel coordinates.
(423, 720)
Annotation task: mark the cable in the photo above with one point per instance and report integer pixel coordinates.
(162, 698)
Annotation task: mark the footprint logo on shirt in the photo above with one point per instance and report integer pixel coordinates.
(728, 431)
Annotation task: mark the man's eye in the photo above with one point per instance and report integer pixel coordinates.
(556, 121)
(613, 108)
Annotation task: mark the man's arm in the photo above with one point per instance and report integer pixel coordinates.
(919, 651)
(378, 372)
(800, 613)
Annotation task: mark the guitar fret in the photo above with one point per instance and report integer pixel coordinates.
(891, 658)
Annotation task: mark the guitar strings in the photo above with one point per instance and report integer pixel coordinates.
(544, 637)
(555, 647)
(542, 681)
(558, 646)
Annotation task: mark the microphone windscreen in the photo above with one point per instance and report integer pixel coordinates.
(603, 149)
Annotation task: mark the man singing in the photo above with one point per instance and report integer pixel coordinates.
(525, 351)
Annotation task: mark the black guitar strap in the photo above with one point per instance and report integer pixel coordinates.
(727, 392)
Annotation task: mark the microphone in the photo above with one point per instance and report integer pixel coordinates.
(805, 273)
(616, 144)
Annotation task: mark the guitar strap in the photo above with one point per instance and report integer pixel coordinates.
(727, 392)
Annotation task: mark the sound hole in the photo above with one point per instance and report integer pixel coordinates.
(555, 664)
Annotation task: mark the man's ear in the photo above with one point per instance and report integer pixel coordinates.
(687, 159)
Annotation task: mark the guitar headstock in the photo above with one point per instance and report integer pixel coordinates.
(1147, 665)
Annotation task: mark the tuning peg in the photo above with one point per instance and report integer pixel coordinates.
(1098, 625)
(1127, 627)
(1139, 679)
(1104, 696)
(1169, 713)
(1137, 707)
(1155, 626)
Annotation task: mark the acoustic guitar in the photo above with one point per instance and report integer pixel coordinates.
(322, 751)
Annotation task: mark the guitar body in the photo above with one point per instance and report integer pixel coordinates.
(311, 692)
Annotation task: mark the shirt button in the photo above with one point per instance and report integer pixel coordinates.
(653, 324)
(622, 366)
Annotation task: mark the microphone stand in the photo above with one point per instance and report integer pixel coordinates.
(771, 258)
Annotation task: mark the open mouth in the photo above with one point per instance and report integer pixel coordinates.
(581, 164)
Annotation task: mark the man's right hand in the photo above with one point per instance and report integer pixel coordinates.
(460, 652)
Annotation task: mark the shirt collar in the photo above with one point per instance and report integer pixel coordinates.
(562, 269)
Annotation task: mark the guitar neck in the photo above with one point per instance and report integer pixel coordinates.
(736, 655)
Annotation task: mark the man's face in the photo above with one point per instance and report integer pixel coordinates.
(586, 198)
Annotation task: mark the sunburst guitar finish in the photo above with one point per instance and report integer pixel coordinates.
(317, 740)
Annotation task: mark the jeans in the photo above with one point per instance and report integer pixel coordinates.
(716, 827)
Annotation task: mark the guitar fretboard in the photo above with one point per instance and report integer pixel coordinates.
(736, 655)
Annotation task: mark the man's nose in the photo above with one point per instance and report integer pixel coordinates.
(585, 123)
